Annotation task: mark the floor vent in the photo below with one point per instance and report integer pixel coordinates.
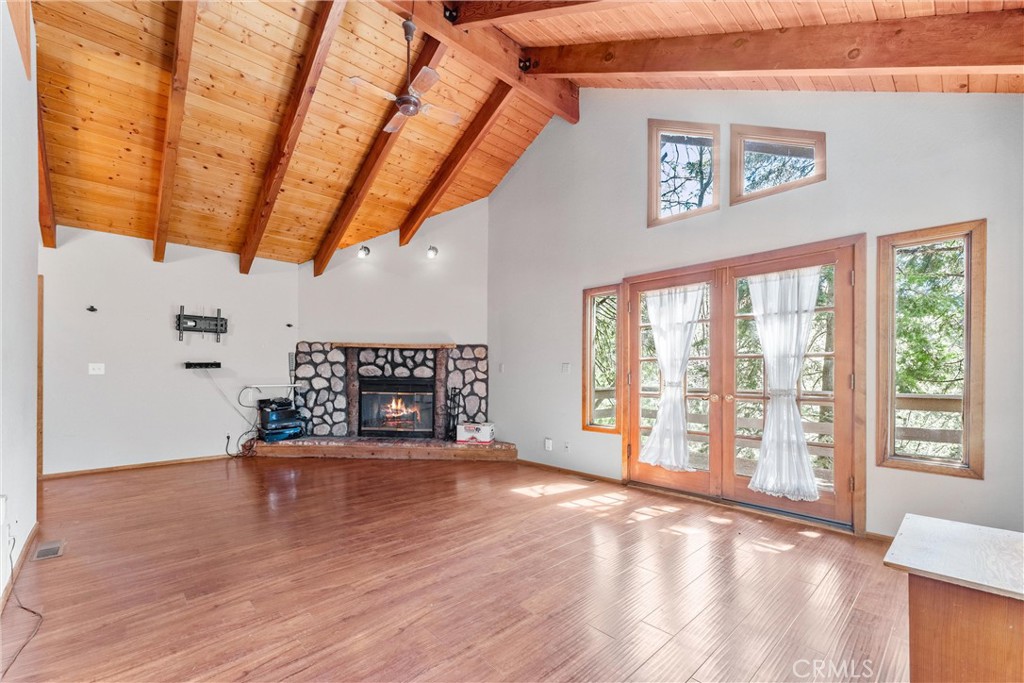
(49, 550)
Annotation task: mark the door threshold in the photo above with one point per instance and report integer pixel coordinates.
(749, 507)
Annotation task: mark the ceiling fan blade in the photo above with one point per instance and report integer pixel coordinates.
(426, 79)
(396, 122)
(443, 115)
(364, 84)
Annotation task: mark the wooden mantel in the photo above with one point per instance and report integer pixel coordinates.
(382, 345)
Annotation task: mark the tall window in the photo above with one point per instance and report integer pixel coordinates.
(931, 312)
(682, 170)
(601, 359)
(770, 160)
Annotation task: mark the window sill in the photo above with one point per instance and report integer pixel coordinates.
(902, 463)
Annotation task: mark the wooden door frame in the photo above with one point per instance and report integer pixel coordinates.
(858, 242)
(707, 480)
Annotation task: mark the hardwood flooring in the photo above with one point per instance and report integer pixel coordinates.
(266, 569)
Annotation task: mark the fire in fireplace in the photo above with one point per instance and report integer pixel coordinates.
(396, 408)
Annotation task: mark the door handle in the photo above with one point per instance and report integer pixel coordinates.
(728, 398)
(714, 398)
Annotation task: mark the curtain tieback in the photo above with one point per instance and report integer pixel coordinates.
(674, 384)
(782, 393)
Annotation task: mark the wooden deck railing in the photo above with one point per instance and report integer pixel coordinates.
(915, 402)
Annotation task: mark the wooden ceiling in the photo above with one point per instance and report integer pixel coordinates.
(232, 125)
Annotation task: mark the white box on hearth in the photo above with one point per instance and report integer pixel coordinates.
(474, 432)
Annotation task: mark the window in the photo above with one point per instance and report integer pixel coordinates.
(682, 170)
(770, 160)
(601, 359)
(931, 310)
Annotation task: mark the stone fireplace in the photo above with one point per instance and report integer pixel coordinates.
(334, 379)
(401, 408)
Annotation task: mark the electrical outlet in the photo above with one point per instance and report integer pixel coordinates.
(548, 445)
(501, 367)
(97, 368)
(566, 368)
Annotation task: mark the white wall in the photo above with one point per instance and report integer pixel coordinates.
(571, 215)
(19, 236)
(147, 407)
(397, 294)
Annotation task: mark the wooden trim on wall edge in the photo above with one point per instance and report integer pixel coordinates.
(16, 569)
(571, 473)
(136, 466)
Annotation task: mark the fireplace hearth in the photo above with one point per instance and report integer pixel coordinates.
(400, 408)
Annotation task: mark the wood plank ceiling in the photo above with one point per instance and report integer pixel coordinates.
(268, 150)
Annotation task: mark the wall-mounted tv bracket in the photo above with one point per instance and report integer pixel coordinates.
(200, 323)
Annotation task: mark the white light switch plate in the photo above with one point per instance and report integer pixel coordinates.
(566, 368)
(97, 368)
(548, 444)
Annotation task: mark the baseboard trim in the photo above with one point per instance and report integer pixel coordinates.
(138, 466)
(573, 473)
(871, 535)
(16, 569)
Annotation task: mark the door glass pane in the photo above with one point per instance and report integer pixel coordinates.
(648, 410)
(823, 333)
(700, 450)
(698, 374)
(750, 418)
(750, 375)
(747, 452)
(647, 343)
(697, 415)
(650, 376)
(818, 375)
(747, 341)
(827, 287)
(818, 423)
(823, 464)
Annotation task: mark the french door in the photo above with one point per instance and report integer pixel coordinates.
(725, 389)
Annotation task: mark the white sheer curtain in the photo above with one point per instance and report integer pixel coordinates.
(673, 314)
(783, 306)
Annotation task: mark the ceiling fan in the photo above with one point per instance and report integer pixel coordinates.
(410, 102)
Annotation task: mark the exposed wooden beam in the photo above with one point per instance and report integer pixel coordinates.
(473, 13)
(495, 54)
(431, 54)
(184, 33)
(980, 42)
(47, 220)
(327, 21)
(470, 140)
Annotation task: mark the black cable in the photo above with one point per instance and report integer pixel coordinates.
(14, 593)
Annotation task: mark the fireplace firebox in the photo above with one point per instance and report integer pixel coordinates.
(401, 408)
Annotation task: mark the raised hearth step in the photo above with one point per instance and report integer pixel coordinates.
(385, 449)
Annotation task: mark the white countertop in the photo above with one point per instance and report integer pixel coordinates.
(986, 559)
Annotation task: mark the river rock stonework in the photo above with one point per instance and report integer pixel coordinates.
(468, 373)
(320, 395)
(398, 363)
(327, 394)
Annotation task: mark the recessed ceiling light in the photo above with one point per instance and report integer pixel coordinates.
(431, 251)
(363, 252)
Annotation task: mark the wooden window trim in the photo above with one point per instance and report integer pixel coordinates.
(974, 233)
(589, 294)
(739, 133)
(655, 127)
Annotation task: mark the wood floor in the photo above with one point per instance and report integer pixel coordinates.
(266, 569)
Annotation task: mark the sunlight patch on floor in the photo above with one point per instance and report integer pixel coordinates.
(599, 503)
(649, 512)
(547, 489)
